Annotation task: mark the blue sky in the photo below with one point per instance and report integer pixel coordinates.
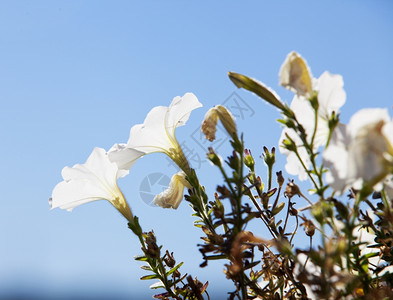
(78, 74)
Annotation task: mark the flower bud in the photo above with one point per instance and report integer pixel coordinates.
(269, 157)
(266, 93)
(280, 178)
(214, 157)
(210, 122)
(289, 144)
(317, 212)
(295, 75)
(248, 159)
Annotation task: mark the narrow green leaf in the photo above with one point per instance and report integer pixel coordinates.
(147, 277)
(140, 258)
(174, 269)
(251, 265)
(278, 208)
(157, 285)
(215, 257)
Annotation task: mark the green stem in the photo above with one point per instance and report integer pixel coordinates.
(294, 232)
(262, 216)
(315, 128)
(153, 262)
(310, 150)
(269, 176)
(286, 218)
(305, 168)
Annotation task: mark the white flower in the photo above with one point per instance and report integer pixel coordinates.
(331, 96)
(211, 118)
(295, 75)
(362, 151)
(173, 195)
(305, 115)
(335, 158)
(94, 180)
(123, 156)
(157, 133)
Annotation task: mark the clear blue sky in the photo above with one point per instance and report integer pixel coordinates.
(78, 74)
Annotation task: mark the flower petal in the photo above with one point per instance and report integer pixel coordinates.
(305, 115)
(335, 158)
(331, 95)
(209, 123)
(179, 111)
(361, 152)
(365, 117)
(151, 136)
(94, 180)
(368, 144)
(295, 75)
(68, 195)
(157, 133)
(123, 157)
(173, 195)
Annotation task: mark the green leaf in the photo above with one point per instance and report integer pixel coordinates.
(174, 269)
(179, 280)
(251, 265)
(368, 255)
(157, 285)
(140, 258)
(278, 208)
(215, 257)
(271, 192)
(251, 216)
(147, 268)
(147, 277)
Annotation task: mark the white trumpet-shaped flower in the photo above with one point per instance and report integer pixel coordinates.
(361, 151)
(94, 180)
(305, 112)
(331, 96)
(173, 195)
(157, 133)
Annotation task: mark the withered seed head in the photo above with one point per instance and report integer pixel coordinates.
(169, 259)
(292, 189)
(152, 249)
(309, 227)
